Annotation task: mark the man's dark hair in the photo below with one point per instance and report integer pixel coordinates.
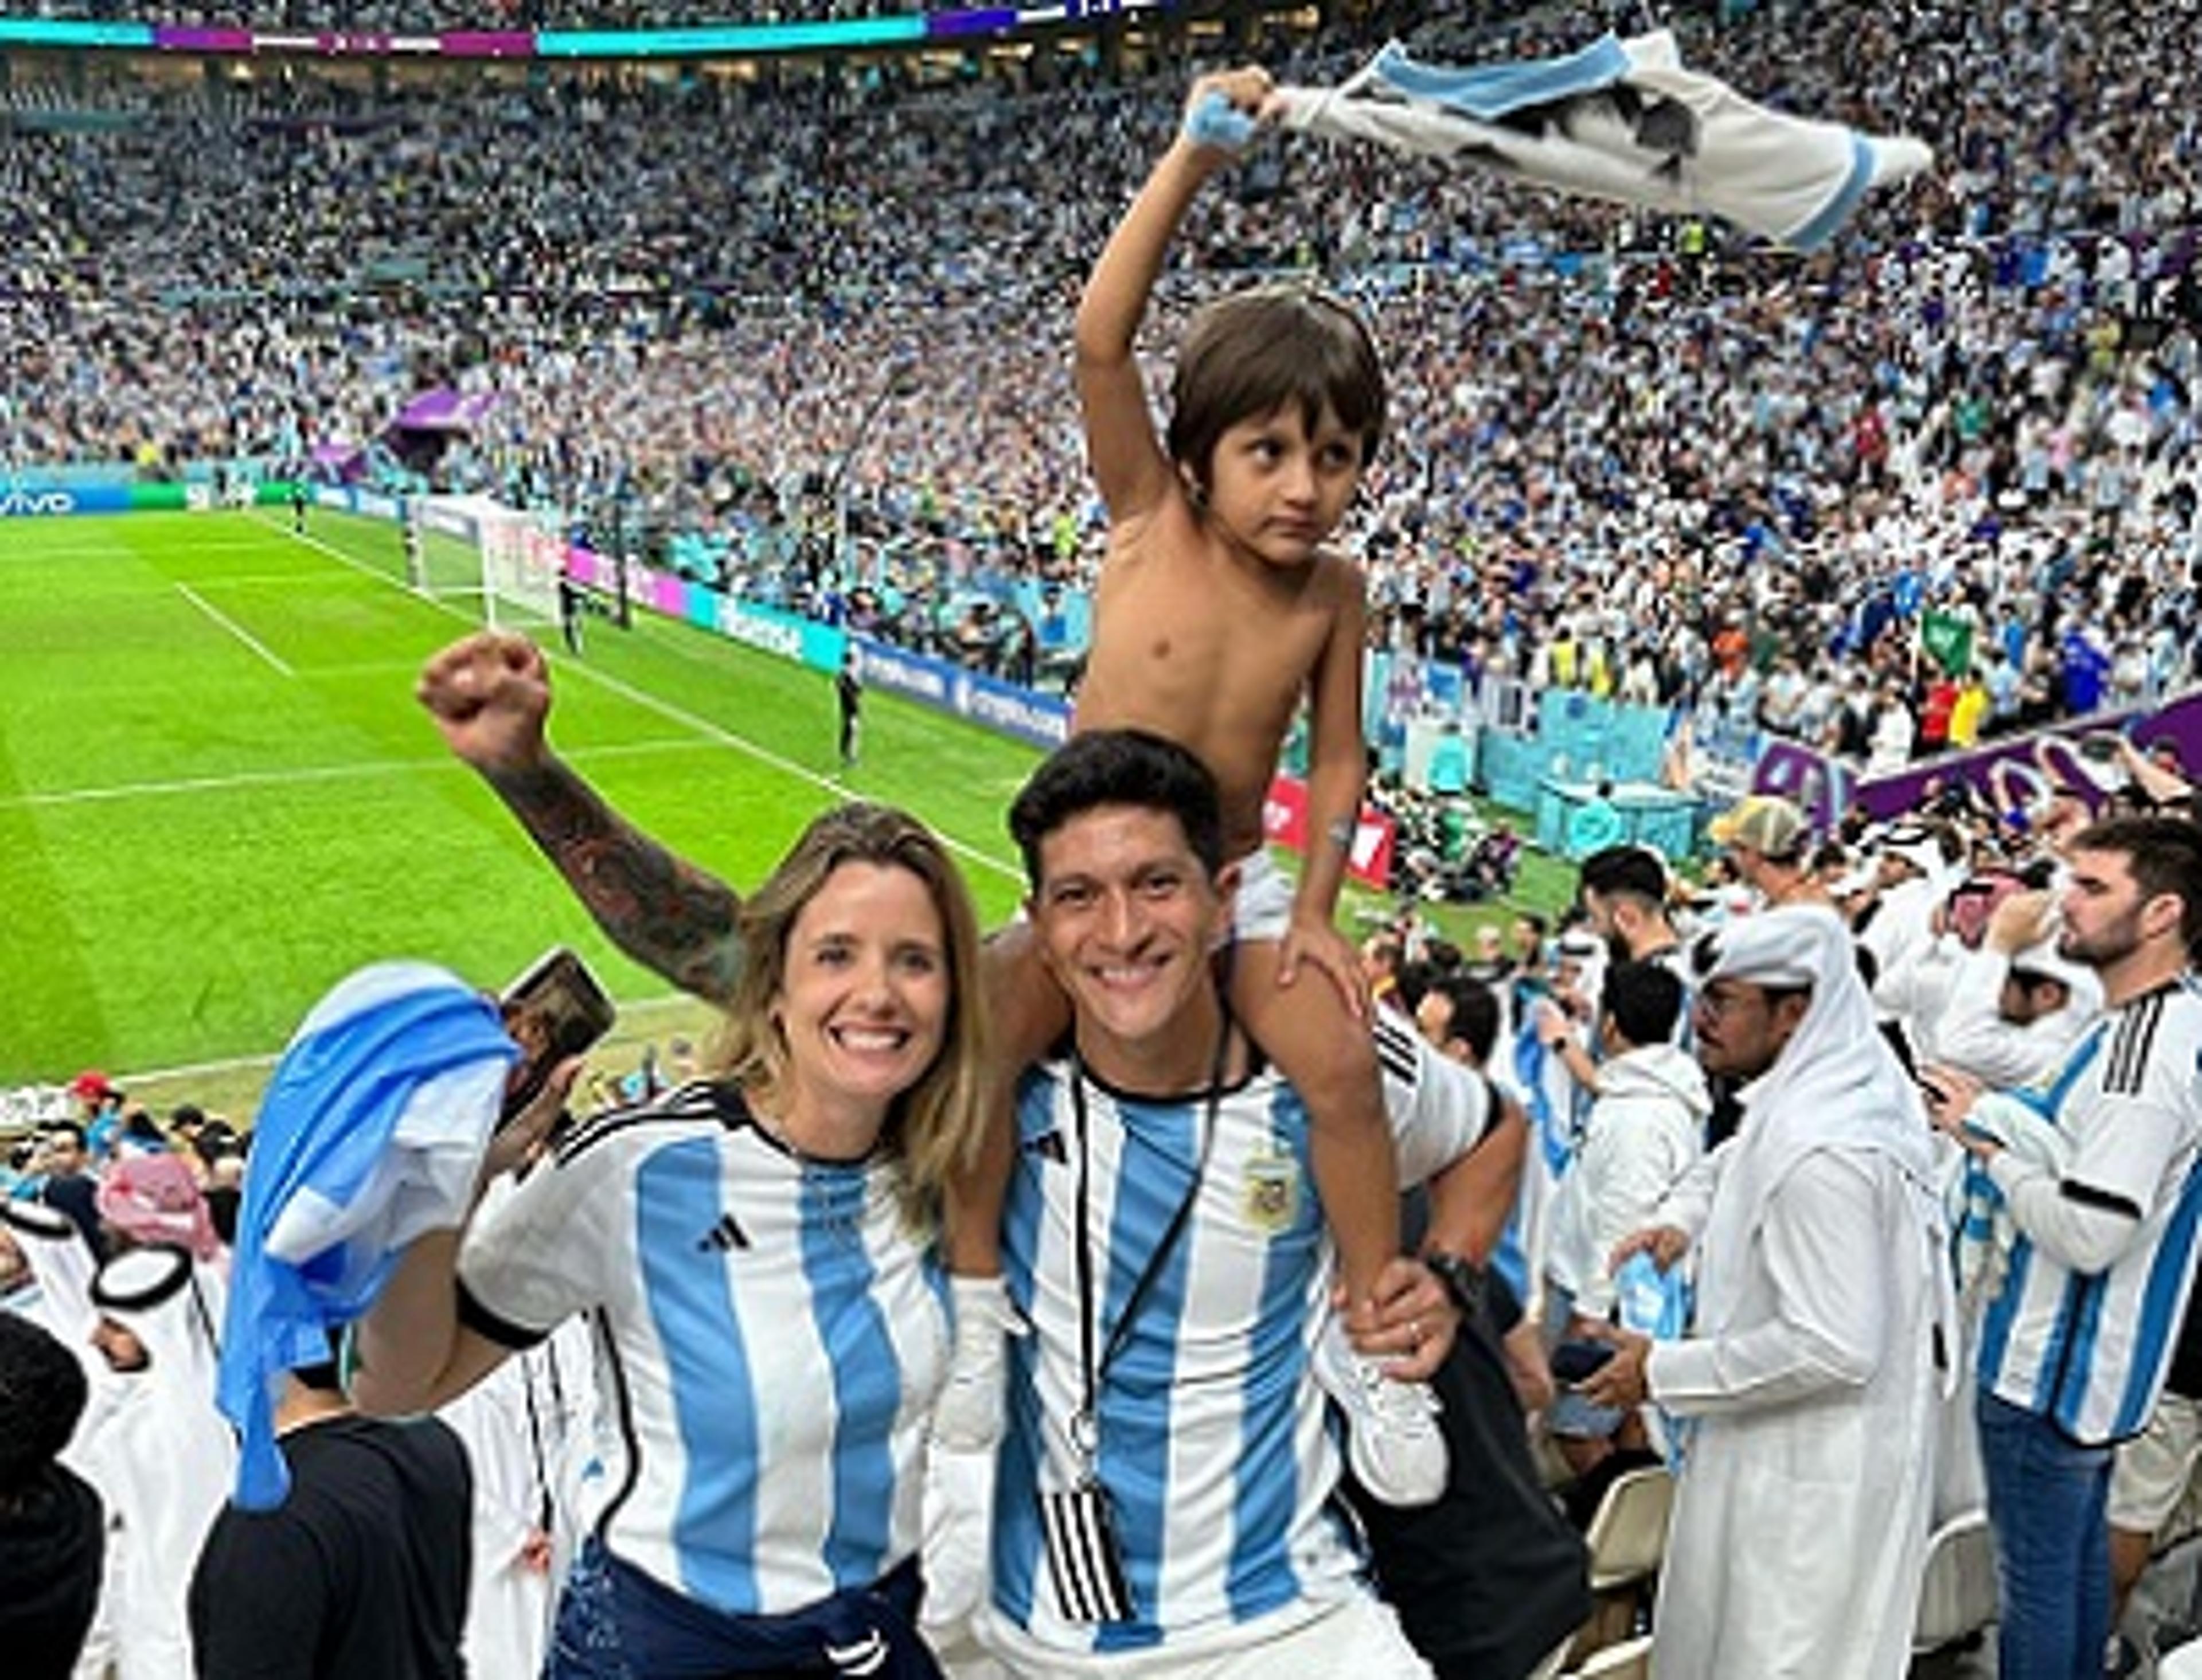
(1410, 983)
(1118, 767)
(43, 1393)
(1539, 923)
(1643, 999)
(69, 1129)
(1626, 872)
(2165, 856)
(1471, 1014)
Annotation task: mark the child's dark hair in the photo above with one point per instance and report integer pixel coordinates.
(1251, 353)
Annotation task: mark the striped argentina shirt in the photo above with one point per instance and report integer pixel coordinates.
(1214, 1446)
(769, 1338)
(2088, 1349)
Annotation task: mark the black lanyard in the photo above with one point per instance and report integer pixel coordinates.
(1084, 1427)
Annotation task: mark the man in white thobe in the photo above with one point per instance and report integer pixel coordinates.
(163, 1460)
(1810, 1384)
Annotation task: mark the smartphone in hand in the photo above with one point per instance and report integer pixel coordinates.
(553, 1010)
(1575, 1362)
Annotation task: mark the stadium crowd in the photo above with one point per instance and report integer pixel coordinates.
(1674, 471)
(1982, 953)
(693, 297)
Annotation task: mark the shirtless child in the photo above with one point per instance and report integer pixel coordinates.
(1218, 610)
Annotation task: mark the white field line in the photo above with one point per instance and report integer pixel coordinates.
(306, 774)
(42, 552)
(234, 628)
(664, 708)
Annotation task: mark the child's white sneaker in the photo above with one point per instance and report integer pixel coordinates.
(1392, 1436)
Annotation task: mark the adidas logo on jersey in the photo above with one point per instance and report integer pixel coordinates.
(725, 1237)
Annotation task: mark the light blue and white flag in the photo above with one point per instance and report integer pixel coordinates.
(1621, 121)
(371, 1133)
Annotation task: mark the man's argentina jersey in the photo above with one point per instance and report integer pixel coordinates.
(769, 1342)
(2089, 1351)
(1214, 1445)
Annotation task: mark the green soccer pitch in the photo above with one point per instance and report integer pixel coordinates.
(218, 797)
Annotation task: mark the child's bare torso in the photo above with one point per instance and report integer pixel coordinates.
(1211, 650)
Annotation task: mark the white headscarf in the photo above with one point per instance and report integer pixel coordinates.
(61, 1264)
(164, 1460)
(1835, 1085)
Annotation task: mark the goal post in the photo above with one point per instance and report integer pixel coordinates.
(509, 560)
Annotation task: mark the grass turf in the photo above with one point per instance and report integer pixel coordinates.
(217, 795)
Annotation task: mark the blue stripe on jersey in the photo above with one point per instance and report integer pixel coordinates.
(2054, 1352)
(1016, 1551)
(2163, 1306)
(1017, 1538)
(1155, 1174)
(677, 1195)
(1261, 1576)
(1997, 1322)
(2086, 1302)
(2052, 1100)
(867, 1374)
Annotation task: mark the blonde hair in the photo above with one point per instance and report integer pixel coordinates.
(934, 1129)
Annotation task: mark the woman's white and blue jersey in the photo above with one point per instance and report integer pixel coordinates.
(2089, 1350)
(769, 1336)
(1214, 1447)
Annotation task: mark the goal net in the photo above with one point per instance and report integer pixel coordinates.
(508, 560)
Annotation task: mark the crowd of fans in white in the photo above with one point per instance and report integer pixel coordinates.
(690, 294)
(1675, 471)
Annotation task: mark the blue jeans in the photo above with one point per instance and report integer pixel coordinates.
(615, 1623)
(2045, 1502)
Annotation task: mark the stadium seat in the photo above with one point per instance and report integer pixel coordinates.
(1627, 1537)
(1631, 1660)
(1629, 1534)
(1959, 1596)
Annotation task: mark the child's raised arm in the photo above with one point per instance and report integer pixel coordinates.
(1129, 464)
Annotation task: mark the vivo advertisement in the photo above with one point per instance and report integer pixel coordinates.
(21, 501)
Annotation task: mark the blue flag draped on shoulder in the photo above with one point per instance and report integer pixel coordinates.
(371, 1133)
(1622, 120)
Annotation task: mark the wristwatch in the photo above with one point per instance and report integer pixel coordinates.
(1463, 1279)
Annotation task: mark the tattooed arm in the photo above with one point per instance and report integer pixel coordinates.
(490, 695)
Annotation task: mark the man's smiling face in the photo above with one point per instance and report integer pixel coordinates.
(1126, 918)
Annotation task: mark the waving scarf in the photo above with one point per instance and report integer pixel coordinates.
(371, 1133)
(1622, 120)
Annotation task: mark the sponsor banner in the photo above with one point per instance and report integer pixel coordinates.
(759, 627)
(1284, 823)
(1039, 720)
(331, 495)
(45, 501)
(372, 506)
(2016, 772)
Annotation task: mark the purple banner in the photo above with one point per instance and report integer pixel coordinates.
(2014, 771)
(478, 44)
(180, 38)
(985, 22)
(445, 410)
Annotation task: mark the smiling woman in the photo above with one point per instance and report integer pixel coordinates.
(752, 1249)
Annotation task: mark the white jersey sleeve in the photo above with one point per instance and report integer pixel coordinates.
(1439, 1109)
(537, 1255)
